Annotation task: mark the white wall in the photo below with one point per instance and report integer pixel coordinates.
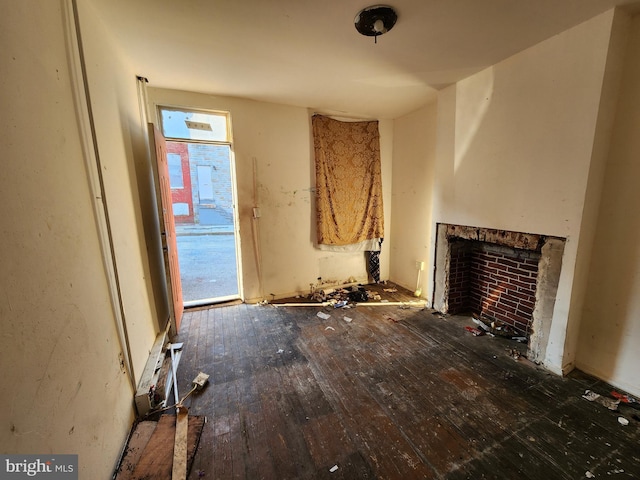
(414, 148)
(277, 139)
(114, 101)
(610, 329)
(518, 153)
(64, 390)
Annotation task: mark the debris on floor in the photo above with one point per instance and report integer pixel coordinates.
(623, 421)
(492, 327)
(357, 295)
(476, 332)
(334, 468)
(351, 295)
(323, 315)
(610, 403)
(341, 295)
(626, 399)
(514, 353)
(481, 324)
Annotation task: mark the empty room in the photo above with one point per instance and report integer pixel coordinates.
(293, 239)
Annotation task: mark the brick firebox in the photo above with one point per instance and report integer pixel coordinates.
(469, 276)
(493, 281)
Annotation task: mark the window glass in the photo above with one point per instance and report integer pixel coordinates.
(193, 125)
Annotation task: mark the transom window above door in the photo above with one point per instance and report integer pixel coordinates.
(195, 125)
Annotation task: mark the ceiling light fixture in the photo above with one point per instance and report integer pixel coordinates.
(375, 20)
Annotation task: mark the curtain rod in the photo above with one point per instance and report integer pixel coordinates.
(349, 117)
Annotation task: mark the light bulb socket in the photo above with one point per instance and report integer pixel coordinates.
(375, 20)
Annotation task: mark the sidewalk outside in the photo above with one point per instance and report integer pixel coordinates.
(207, 258)
(198, 229)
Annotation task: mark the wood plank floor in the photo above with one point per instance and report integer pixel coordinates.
(395, 393)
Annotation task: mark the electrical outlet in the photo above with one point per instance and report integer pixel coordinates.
(419, 265)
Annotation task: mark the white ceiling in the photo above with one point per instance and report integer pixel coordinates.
(308, 53)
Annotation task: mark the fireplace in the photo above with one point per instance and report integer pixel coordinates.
(493, 281)
(510, 277)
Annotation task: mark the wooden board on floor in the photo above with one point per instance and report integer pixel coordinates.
(137, 443)
(156, 460)
(179, 470)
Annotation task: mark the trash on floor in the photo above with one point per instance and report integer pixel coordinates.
(610, 403)
(481, 324)
(514, 353)
(358, 295)
(323, 315)
(334, 468)
(476, 332)
(351, 295)
(627, 399)
(623, 421)
(330, 328)
(347, 319)
(494, 327)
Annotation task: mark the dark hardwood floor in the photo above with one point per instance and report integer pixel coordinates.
(394, 394)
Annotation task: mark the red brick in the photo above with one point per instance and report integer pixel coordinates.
(521, 295)
(507, 302)
(527, 305)
(509, 263)
(531, 268)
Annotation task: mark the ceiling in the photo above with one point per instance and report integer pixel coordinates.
(308, 53)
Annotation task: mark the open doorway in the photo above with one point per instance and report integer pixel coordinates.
(203, 196)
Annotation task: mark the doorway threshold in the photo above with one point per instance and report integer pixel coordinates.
(213, 302)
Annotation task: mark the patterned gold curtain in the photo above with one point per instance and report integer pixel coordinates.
(349, 206)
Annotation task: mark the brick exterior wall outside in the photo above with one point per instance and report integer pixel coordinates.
(218, 157)
(500, 282)
(182, 195)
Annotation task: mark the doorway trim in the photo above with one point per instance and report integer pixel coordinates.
(227, 141)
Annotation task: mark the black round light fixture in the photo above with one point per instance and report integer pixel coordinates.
(375, 20)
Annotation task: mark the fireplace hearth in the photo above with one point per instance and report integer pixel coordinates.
(511, 277)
